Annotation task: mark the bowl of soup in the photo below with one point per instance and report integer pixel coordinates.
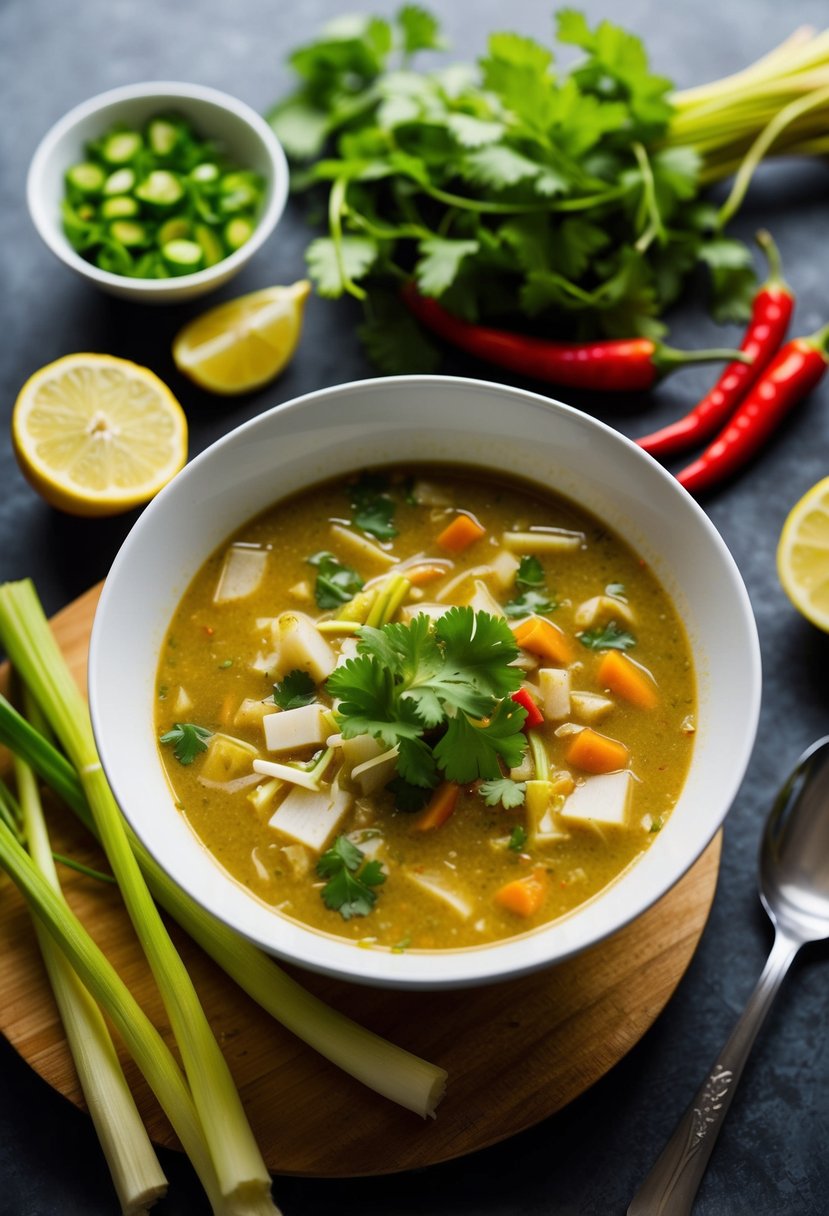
(424, 681)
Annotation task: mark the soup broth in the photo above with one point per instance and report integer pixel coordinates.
(547, 724)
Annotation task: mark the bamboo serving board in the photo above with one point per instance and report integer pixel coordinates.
(515, 1052)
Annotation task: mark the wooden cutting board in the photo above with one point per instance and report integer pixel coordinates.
(515, 1052)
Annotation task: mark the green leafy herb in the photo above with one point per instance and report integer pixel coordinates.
(295, 690)
(517, 840)
(350, 888)
(534, 597)
(504, 791)
(408, 798)
(371, 508)
(187, 741)
(335, 584)
(451, 677)
(611, 637)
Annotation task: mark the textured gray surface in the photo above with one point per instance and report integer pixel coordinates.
(588, 1160)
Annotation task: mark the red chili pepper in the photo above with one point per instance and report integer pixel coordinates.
(795, 371)
(619, 364)
(770, 316)
(534, 715)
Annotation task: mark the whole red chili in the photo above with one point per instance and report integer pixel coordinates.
(770, 316)
(620, 365)
(795, 371)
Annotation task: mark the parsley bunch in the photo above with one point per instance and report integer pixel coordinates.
(509, 190)
(439, 692)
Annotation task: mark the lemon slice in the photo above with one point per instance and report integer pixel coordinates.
(241, 345)
(96, 435)
(803, 555)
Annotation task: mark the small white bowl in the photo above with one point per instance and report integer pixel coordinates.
(245, 138)
(396, 421)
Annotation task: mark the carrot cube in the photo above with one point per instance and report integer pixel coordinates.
(440, 807)
(524, 896)
(462, 532)
(545, 639)
(627, 679)
(595, 753)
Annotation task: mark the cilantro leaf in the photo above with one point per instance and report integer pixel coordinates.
(393, 340)
(188, 741)
(408, 798)
(611, 637)
(295, 690)
(479, 648)
(421, 31)
(336, 584)
(504, 791)
(468, 751)
(416, 764)
(369, 705)
(333, 264)
(440, 260)
(518, 838)
(371, 508)
(529, 578)
(349, 888)
(530, 573)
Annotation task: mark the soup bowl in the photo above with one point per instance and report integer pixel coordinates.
(404, 420)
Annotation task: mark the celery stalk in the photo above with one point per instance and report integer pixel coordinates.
(35, 655)
(389, 1070)
(136, 1174)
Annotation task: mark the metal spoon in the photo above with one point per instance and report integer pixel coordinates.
(794, 888)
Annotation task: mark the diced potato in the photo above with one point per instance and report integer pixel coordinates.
(361, 547)
(301, 591)
(183, 702)
(227, 758)
(251, 712)
(375, 772)
(299, 644)
(554, 686)
(263, 794)
(601, 800)
(311, 817)
(484, 601)
(504, 568)
(242, 572)
(434, 611)
(298, 858)
(543, 540)
(601, 609)
(265, 662)
(590, 706)
(543, 802)
(441, 890)
(289, 729)
(361, 748)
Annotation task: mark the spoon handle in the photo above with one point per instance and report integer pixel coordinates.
(674, 1179)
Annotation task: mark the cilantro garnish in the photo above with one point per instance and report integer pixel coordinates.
(295, 690)
(349, 889)
(450, 677)
(509, 793)
(336, 584)
(187, 740)
(371, 508)
(517, 840)
(534, 597)
(408, 797)
(611, 637)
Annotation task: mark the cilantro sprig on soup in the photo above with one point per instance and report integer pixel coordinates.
(425, 709)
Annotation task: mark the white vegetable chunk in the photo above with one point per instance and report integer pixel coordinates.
(287, 772)
(242, 572)
(554, 685)
(446, 894)
(603, 799)
(603, 608)
(376, 772)
(299, 644)
(361, 748)
(227, 758)
(289, 729)
(484, 601)
(504, 569)
(183, 702)
(590, 706)
(251, 712)
(434, 611)
(428, 495)
(361, 547)
(544, 540)
(311, 816)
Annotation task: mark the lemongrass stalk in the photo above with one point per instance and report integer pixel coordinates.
(761, 145)
(35, 655)
(801, 49)
(396, 597)
(136, 1174)
(10, 811)
(541, 761)
(391, 1071)
(103, 983)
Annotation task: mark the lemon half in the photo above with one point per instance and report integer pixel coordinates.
(803, 555)
(243, 344)
(96, 435)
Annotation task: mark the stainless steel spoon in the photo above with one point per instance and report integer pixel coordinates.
(794, 888)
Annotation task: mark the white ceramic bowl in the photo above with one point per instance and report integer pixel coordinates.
(245, 137)
(422, 418)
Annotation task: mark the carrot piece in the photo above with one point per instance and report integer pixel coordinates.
(524, 896)
(595, 753)
(461, 533)
(543, 638)
(627, 679)
(440, 807)
(427, 573)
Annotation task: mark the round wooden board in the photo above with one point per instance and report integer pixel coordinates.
(515, 1052)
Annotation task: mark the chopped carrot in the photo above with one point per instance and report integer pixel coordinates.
(595, 753)
(427, 573)
(440, 807)
(524, 896)
(543, 638)
(461, 533)
(627, 679)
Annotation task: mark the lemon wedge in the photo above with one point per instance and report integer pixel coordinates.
(96, 435)
(242, 344)
(803, 555)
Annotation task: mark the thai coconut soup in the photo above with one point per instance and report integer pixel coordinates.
(425, 709)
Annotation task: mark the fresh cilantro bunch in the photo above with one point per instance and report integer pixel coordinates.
(511, 190)
(440, 693)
